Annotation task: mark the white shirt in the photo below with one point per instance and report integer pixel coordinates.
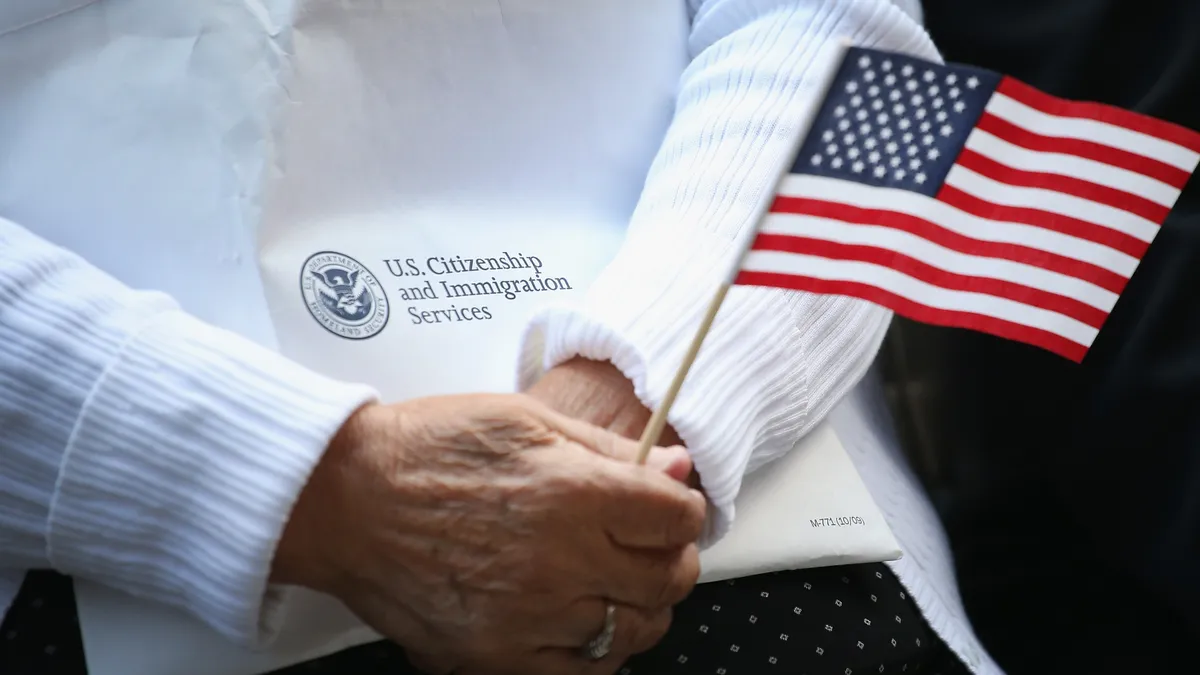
(137, 422)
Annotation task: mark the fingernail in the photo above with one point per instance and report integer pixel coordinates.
(674, 461)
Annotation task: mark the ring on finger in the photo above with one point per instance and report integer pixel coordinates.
(600, 646)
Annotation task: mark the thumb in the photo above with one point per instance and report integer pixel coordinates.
(673, 461)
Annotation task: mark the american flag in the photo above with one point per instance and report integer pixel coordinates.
(957, 196)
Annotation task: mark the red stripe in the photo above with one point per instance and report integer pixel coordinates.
(1034, 297)
(918, 312)
(1152, 168)
(1076, 187)
(1051, 221)
(1094, 274)
(1038, 100)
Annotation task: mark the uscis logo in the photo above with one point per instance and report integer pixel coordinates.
(343, 296)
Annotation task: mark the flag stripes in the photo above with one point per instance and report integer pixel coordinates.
(1044, 212)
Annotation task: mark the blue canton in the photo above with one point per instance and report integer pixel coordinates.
(891, 120)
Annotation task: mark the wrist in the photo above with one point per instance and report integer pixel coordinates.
(600, 394)
(306, 554)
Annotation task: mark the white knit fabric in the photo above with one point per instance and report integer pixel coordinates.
(144, 449)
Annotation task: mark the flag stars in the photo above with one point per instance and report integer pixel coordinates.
(858, 167)
(828, 136)
(933, 154)
(917, 99)
(885, 133)
(947, 129)
(816, 160)
(934, 90)
(889, 80)
(873, 90)
(882, 118)
(906, 138)
(874, 157)
(911, 85)
(836, 162)
(900, 174)
(895, 95)
(972, 82)
(869, 76)
(920, 113)
(951, 79)
(849, 139)
(925, 127)
(843, 124)
(880, 172)
(892, 147)
(954, 92)
(941, 116)
(855, 101)
(864, 128)
(898, 109)
(907, 70)
(864, 62)
(928, 139)
(903, 123)
(861, 115)
(894, 162)
(912, 150)
(930, 76)
(937, 102)
(870, 143)
(877, 104)
(831, 149)
(853, 153)
(959, 106)
(851, 87)
(920, 179)
(914, 163)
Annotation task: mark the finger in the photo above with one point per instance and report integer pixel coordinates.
(636, 632)
(674, 460)
(584, 621)
(642, 508)
(650, 580)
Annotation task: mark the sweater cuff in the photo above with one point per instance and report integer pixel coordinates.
(184, 466)
(745, 401)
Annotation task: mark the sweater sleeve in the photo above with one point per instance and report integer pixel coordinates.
(775, 362)
(144, 449)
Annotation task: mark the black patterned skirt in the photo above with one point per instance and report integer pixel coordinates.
(828, 621)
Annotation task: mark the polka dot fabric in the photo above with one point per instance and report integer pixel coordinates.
(832, 621)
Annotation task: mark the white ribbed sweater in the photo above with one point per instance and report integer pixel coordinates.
(158, 453)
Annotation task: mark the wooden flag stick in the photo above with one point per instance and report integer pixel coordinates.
(658, 420)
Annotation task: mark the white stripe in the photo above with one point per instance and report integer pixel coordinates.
(920, 292)
(1090, 170)
(1053, 201)
(960, 222)
(1104, 133)
(940, 257)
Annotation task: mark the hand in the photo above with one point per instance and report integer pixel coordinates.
(486, 534)
(600, 394)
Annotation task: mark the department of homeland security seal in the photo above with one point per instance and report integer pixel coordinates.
(343, 296)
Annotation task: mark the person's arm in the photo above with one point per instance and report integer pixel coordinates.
(144, 449)
(776, 361)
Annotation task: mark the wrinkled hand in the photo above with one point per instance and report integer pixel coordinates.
(600, 394)
(486, 534)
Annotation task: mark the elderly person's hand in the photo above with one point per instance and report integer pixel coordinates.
(487, 534)
(597, 393)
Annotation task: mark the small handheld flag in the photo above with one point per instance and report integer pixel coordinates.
(960, 197)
